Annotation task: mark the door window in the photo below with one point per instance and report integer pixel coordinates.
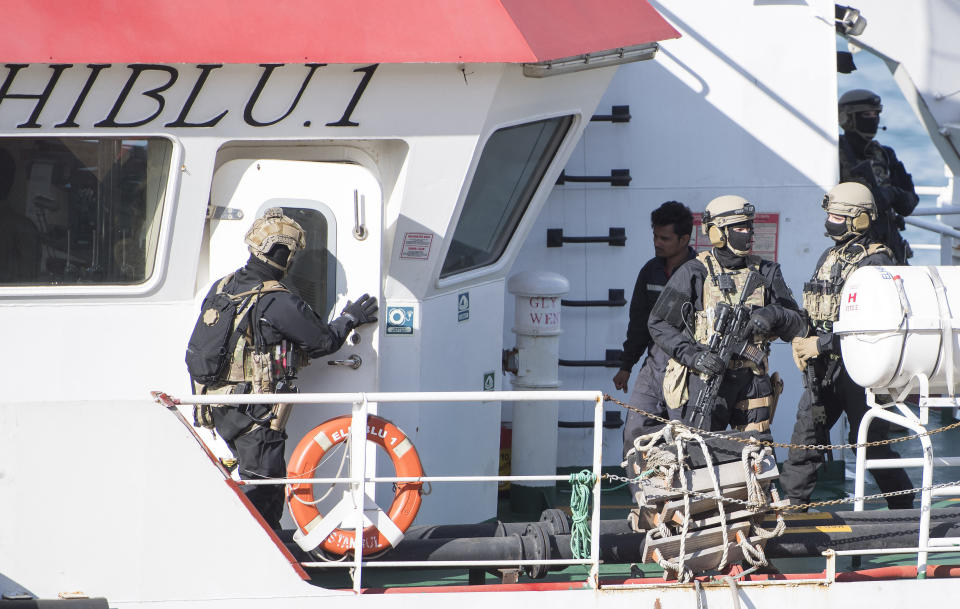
(313, 273)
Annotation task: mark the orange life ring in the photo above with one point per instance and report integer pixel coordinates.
(311, 449)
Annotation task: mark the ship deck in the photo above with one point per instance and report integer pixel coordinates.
(616, 504)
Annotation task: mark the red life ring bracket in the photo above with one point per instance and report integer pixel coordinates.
(383, 530)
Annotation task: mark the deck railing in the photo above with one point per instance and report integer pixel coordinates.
(358, 478)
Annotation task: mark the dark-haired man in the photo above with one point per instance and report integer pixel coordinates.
(672, 225)
(683, 323)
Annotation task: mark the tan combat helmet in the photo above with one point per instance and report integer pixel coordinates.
(274, 228)
(723, 212)
(853, 101)
(853, 201)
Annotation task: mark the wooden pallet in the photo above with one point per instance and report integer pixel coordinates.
(669, 547)
(731, 516)
(708, 559)
(729, 476)
(698, 505)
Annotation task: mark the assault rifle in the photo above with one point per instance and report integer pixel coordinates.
(817, 411)
(731, 338)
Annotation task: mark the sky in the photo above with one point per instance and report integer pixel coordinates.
(905, 135)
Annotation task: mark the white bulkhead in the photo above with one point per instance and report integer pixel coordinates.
(376, 162)
(748, 109)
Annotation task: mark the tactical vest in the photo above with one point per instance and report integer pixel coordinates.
(676, 377)
(712, 294)
(250, 362)
(821, 295)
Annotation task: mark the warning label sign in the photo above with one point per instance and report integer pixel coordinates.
(416, 246)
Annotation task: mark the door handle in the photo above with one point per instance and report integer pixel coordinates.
(353, 361)
(359, 216)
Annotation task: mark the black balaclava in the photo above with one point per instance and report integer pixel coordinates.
(739, 241)
(278, 254)
(866, 126)
(836, 230)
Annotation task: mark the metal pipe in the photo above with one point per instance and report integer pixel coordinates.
(936, 211)
(910, 550)
(617, 526)
(532, 544)
(628, 548)
(910, 462)
(268, 481)
(395, 397)
(912, 423)
(936, 227)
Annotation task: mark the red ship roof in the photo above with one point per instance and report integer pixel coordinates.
(327, 31)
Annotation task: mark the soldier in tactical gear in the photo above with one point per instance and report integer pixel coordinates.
(850, 211)
(682, 323)
(864, 160)
(275, 333)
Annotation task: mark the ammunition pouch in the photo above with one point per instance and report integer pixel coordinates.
(203, 416)
(676, 384)
(777, 384)
(821, 300)
(767, 402)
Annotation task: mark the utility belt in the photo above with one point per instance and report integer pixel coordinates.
(271, 371)
(274, 416)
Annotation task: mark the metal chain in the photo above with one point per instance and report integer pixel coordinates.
(785, 508)
(714, 434)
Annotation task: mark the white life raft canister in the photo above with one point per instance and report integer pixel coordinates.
(900, 321)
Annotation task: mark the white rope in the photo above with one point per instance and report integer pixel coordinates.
(752, 457)
(684, 574)
(343, 460)
(716, 489)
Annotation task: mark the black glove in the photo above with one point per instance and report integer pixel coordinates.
(362, 311)
(707, 362)
(768, 319)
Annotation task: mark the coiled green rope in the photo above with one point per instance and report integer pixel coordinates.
(581, 484)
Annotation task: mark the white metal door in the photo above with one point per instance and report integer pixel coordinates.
(339, 206)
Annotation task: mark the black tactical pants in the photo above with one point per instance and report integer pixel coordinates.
(259, 452)
(737, 386)
(800, 470)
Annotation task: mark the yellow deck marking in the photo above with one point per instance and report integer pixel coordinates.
(830, 528)
(803, 516)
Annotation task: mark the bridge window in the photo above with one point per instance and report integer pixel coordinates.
(510, 169)
(80, 210)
